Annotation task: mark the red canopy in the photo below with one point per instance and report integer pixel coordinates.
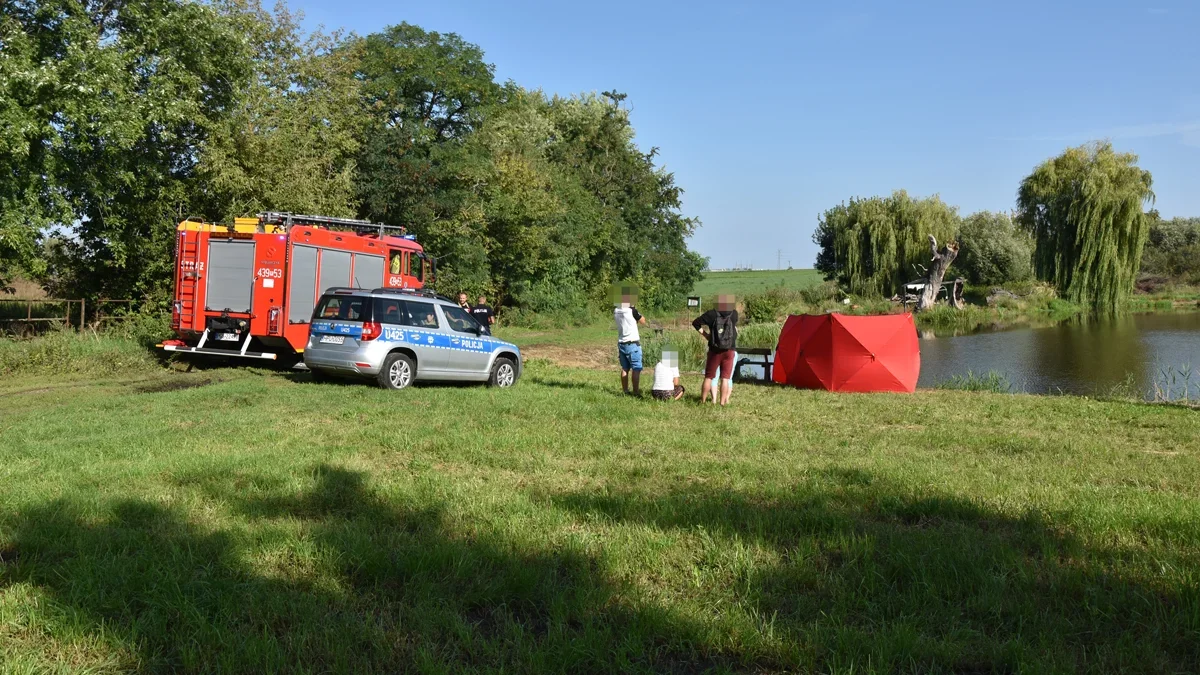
(848, 353)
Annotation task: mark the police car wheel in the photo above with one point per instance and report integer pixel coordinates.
(318, 376)
(504, 373)
(397, 372)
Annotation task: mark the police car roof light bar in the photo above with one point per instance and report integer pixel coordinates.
(423, 292)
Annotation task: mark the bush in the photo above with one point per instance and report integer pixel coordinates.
(993, 250)
(824, 292)
(524, 318)
(1173, 250)
(763, 307)
(146, 327)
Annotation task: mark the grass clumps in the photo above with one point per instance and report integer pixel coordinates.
(991, 381)
(86, 352)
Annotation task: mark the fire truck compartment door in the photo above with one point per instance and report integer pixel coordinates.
(230, 276)
(302, 290)
(335, 269)
(368, 271)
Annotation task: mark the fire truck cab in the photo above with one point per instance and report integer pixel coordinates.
(248, 289)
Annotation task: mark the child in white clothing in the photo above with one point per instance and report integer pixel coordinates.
(666, 377)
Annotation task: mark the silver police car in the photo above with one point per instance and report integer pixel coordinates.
(402, 336)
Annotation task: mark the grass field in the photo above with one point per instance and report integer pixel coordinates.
(249, 521)
(756, 281)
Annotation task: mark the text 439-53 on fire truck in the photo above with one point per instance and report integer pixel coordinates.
(249, 289)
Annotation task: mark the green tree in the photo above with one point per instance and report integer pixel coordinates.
(542, 202)
(993, 250)
(117, 101)
(1172, 249)
(1084, 209)
(873, 246)
(291, 140)
(425, 92)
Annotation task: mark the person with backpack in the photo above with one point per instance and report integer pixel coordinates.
(719, 327)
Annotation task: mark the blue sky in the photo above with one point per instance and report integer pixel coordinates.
(770, 113)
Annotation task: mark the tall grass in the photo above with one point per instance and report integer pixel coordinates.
(693, 349)
(991, 381)
(66, 351)
(1176, 384)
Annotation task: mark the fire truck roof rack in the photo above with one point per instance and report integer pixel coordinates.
(360, 226)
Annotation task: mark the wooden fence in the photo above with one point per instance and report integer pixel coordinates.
(27, 316)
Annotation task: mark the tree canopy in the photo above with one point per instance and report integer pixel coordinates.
(1172, 248)
(993, 249)
(114, 126)
(873, 246)
(1084, 209)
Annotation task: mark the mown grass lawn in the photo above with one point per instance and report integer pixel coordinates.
(250, 521)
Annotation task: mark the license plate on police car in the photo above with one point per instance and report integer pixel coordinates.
(333, 339)
(227, 337)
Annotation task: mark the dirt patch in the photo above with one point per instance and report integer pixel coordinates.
(595, 358)
(175, 384)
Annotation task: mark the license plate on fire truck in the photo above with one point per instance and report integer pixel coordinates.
(333, 339)
(227, 337)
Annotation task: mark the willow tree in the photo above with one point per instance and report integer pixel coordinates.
(873, 246)
(1084, 209)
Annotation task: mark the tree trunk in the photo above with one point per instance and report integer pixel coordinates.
(937, 271)
(956, 298)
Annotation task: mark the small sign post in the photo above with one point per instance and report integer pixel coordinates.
(693, 301)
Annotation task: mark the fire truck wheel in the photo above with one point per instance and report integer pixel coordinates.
(504, 373)
(397, 372)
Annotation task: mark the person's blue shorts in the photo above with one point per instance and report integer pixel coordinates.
(630, 356)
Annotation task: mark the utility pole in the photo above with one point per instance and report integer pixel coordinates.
(779, 259)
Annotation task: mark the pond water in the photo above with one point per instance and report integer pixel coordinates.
(1135, 353)
(1089, 356)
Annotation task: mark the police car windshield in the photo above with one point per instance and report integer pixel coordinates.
(341, 308)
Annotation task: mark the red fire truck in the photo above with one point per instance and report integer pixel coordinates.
(248, 289)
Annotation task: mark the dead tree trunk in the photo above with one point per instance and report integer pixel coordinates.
(937, 271)
(956, 298)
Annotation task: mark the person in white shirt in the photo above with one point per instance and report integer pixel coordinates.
(666, 377)
(629, 342)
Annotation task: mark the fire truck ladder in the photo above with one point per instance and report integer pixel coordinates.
(358, 226)
(189, 255)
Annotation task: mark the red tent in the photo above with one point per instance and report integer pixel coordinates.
(848, 353)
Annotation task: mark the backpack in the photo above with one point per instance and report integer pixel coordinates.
(724, 333)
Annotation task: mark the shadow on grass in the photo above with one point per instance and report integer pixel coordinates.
(337, 578)
(871, 574)
(340, 581)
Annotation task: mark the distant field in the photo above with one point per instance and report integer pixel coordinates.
(745, 283)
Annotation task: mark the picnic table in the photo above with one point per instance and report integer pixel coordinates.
(764, 360)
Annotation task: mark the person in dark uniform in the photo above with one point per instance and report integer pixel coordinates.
(484, 314)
